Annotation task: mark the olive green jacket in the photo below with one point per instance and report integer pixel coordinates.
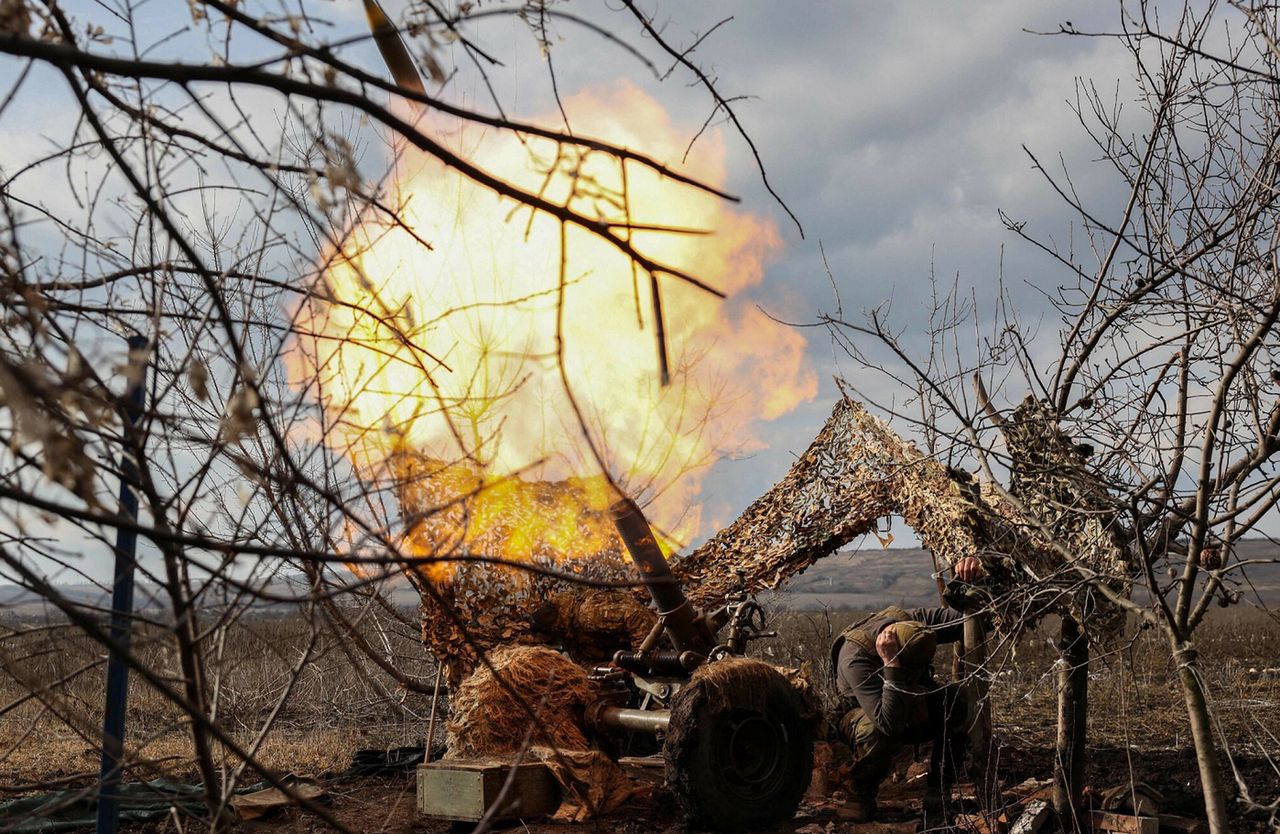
(889, 697)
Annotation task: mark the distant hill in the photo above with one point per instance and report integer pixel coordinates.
(872, 578)
(852, 581)
(861, 580)
(22, 604)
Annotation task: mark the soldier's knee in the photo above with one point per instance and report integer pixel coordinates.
(845, 724)
(855, 727)
(868, 742)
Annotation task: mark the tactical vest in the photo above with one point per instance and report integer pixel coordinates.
(863, 633)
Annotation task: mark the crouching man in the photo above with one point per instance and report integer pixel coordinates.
(889, 698)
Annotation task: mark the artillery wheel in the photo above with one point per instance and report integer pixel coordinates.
(739, 749)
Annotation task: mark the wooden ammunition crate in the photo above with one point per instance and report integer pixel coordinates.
(464, 789)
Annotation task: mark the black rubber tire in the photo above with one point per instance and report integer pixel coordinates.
(739, 759)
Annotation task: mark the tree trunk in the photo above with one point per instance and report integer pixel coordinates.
(1073, 713)
(1215, 800)
(977, 686)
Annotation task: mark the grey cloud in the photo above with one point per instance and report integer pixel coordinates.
(893, 130)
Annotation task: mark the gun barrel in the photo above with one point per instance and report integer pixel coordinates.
(396, 55)
(678, 616)
(635, 720)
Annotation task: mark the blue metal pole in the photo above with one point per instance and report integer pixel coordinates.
(113, 722)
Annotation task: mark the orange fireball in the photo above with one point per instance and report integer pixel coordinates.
(476, 350)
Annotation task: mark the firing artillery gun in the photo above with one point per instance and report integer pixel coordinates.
(735, 733)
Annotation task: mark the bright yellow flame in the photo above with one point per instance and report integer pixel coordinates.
(451, 352)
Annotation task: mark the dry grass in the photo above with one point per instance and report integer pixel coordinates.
(1137, 721)
(51, 685)
(1134, 695)
(341, 702)
(1135, 699)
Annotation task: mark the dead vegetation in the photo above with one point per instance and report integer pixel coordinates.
(1136, 723)
(51, 685)
(1134, 696)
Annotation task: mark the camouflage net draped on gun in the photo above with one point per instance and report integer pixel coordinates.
(470, 603)
(857, 471)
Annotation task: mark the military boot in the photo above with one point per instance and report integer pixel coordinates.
(873, 759)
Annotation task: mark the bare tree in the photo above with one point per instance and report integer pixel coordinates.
(183, 218)
(1165, 375)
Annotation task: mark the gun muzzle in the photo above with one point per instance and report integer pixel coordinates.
(403, 70)
(678, 617)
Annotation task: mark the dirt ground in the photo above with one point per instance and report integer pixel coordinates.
(386, 805)
(1137, 725)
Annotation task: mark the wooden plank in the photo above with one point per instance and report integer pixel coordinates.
(1123, 823)
(977, 686)
(464, 790)
(1029, 789)
(258, 804)
(1173, 824)
(1073, 711)
(980, 823)
(1033, 817)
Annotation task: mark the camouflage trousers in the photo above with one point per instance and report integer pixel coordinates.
(942, 720)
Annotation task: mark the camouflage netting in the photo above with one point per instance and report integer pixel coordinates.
(1051, 480)
(486, 719)
(592, 784)
(595, 623)
(1054, 487)
(857, 471)
(500, 606)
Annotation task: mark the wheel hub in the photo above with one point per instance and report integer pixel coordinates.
(754, 752)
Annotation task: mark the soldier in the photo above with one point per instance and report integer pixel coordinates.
(889, 698)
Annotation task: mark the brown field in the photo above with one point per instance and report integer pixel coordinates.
(1134, 697)
(1137, 721)
(51, 685)
(340, 702)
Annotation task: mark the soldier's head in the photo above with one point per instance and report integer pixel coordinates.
(918, 645)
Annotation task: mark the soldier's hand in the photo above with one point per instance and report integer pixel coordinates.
(888, 647)
(968, 569)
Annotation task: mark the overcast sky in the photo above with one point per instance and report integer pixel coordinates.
(895, 131)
